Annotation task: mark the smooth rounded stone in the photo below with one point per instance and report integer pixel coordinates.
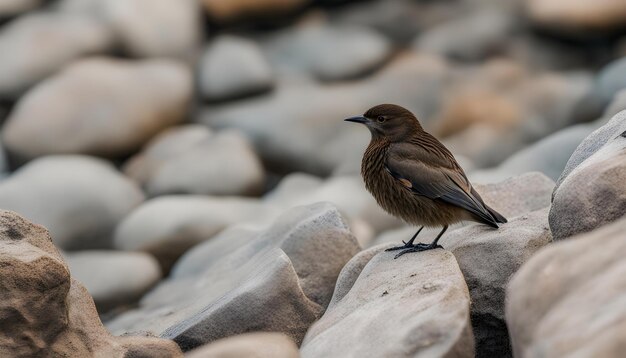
(147, 28)
(275, 281)
(224, 11)
(472, 37)
(169, 225)
(593, 194)
(79, 199)
(221, 164)
(10, 8)
(617, 105)
(608, 83)
(233, 67)
(548, 156)
(299, 127)
(51, 313)
(114, 278)
(568, 299)
(249, 345)
(594, 142)
(348, 193)
(372, 320)
(488, 258)
(564, 15)
(35, 46)
(329, 52)
(4, 164)
(133, 101)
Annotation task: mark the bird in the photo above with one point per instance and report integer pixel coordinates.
(413, 176)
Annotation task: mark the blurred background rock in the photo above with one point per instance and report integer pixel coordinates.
(135, 130)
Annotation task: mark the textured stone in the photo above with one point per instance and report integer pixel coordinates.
(132, 102)
(249, 345)
(372, 321)
(45, 311)
(79, 199)
(568, 299)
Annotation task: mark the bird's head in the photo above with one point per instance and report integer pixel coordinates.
(389, 121)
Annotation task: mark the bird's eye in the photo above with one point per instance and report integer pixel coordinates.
(380, 119)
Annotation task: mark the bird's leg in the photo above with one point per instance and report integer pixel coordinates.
(424, 247)
(408, 244)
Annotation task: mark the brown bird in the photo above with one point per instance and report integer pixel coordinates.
(413, 176)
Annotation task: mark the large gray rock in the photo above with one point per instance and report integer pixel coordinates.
(233, 67)
(249, 345)
(329, 52)
(593, 193)
(114, 278)
(415, 306)
(568, 300)
(147, 28)
(79, 199)
(169, 225)
(132, 102)
(280, 280)
(10, 8)
(219, 164)
(610, 80)
(35, 46)
(47, 313)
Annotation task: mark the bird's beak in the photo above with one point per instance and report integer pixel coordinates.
(356, 119)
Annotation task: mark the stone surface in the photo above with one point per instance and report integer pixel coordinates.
(488, 258)
(224, 11)
(233, 67)
(372, 321)
(14, 7)
(609, 81)
(617, 105)
(568, 300)
(169, 225)
(147, 28)
(114, 278)
(578, 15)
(132, 102)
(329, 52)
(249, 345)
(220, 164)
(49, 312)
(79, 199)
(274, 281)
(36, 46)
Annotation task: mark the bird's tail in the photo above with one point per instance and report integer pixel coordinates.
(496, 215)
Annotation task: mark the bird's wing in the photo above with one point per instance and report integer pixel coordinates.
(435, 177)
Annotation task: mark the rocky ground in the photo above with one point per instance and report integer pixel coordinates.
(176, 178)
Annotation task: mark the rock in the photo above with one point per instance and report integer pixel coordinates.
(26, 58)
(549, 156)
(233, 67)
(567, 300)
(132, 102)
(298, 126)
(220, 164)
(473, 37)
(329, 52)
(617, 105)
(4, 165)
(371, 320)
(169, 225)
(114, 278)
(10, 8)
(49, 312)
(275, 281)
(252, 345)
(225, 11)
(594, 192)
(564, 15)
(609, 81)
(488, 258)
(79, 199)
(346, 192)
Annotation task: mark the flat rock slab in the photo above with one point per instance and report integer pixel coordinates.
(278, 279)
(415, 306)
(568, 300)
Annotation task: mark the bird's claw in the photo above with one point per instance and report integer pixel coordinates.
(417, 248)
(406, 246)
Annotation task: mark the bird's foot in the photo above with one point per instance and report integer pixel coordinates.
(417, 248)
(407, 245)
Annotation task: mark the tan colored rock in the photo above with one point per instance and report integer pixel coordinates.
(578, 15)
(46, 311)
(230, 10)
(568, 300)
(249, 345)
(133, 100)
(415, 306)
